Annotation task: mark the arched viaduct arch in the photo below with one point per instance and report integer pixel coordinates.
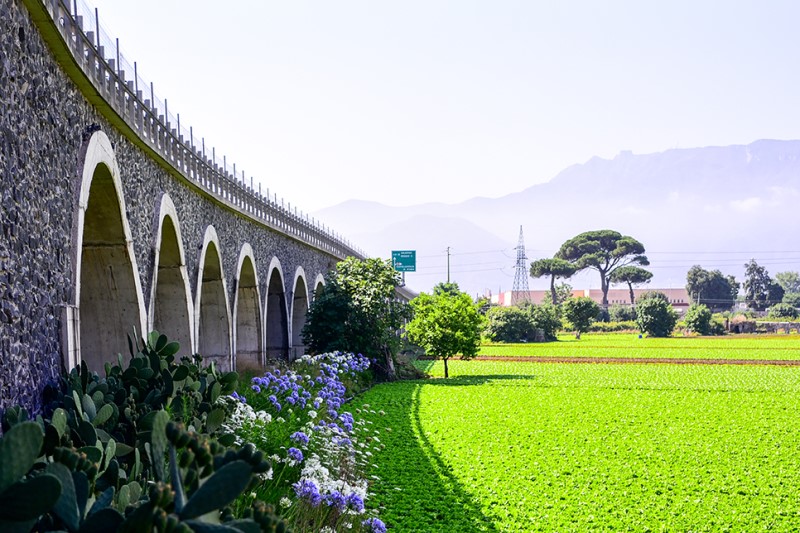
(300, 303)
(318, 284)
(212, 313)
(108, 292)
(248, 338)
(171, 310)
(276, 316)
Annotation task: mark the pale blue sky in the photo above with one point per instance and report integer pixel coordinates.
(416, 101)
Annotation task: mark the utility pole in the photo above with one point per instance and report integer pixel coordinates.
(448, 264)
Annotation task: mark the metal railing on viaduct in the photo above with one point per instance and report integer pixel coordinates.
(130, 103)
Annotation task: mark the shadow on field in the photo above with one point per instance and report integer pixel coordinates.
(423, 493)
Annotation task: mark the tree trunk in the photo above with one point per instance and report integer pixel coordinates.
(553, 289)
(604, 288)
(630, 288)
(446, 375)
(391, 373)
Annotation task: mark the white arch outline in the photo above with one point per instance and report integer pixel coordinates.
(275, 264)
(299, 273)
(319, 280)
(98, 151)
(166, 209)
(244, 253)
(209, 238)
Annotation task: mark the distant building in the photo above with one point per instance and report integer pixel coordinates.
(679, 298)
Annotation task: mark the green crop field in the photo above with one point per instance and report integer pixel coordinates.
(516, 446)
(762, 347)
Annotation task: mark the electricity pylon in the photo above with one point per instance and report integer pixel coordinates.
(520, 291)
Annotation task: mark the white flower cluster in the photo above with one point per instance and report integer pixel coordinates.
(314, 470)
(243, 417)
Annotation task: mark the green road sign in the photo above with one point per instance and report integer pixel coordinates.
(404, 260)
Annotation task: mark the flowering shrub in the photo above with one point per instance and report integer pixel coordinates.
(319, 450)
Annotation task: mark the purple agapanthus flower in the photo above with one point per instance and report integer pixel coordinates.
(295, 455)
(374, 525)
(335, 499)
(236, 396)
(355, 502)
(299, 437)
(308, 490)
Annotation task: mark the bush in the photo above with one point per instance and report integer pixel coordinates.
(698, 319)
(782, 311)
(519, 324)
(792, 298)
(622, 313)
(580, 312)
(655, 315)
(611, 327)
(510, 324)
(547, 318)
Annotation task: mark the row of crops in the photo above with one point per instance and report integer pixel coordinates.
(762, 347)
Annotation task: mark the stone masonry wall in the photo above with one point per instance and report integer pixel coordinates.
(43, 118)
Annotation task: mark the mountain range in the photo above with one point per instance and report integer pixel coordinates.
(713, 206)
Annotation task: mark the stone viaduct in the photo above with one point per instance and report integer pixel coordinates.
(113, 218)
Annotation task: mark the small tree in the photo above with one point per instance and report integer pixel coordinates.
(445, 324)
(580, 312)
(555, 268)
(563, 291)
(698, 319)
(655, 315)
(632, 275)
(357, 311)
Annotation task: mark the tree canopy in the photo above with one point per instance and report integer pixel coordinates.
(357, 311)
(605, 251)
(760, 291)
(632, 275)
(555, 268)
(698, 319)
(655, 315)
(580, 312)
(445, 323)
(790, 281)
(711, 288)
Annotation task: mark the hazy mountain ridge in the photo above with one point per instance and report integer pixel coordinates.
(740, 197)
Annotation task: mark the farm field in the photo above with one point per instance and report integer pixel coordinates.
(628, 345)
(514, 446)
